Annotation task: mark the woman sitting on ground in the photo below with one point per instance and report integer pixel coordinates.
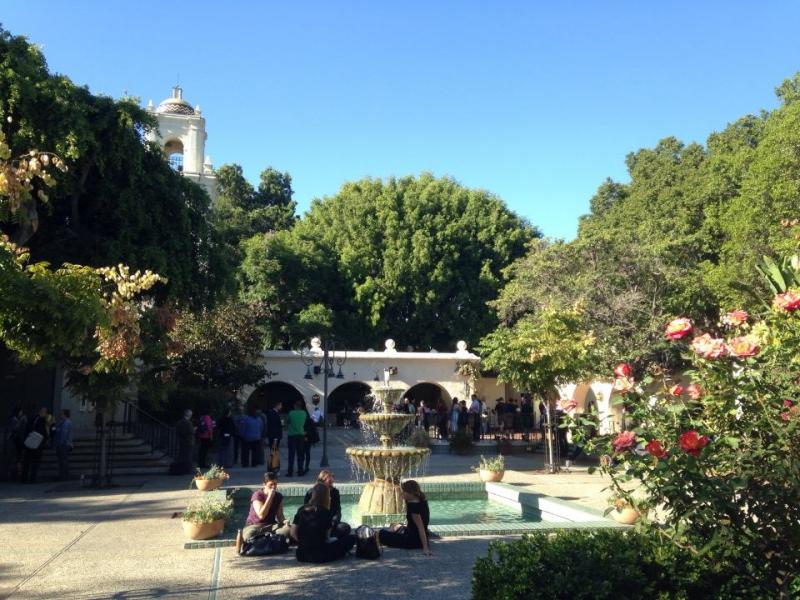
(414, 534)
(312, 526)
(326, 477)
(266, 510)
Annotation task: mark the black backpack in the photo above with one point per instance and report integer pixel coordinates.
(367, 543)
(265, 544)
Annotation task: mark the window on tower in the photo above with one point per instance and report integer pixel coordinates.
(174, 152)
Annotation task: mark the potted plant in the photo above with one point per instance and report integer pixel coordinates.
(491, 469)
(461, 443)
(211, 479)
(205, 518)
(622, 511)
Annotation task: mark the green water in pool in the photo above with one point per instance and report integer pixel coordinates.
(449, 509)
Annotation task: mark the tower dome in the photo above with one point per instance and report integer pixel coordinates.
(175, 105)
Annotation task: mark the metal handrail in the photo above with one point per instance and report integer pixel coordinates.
(156, 433)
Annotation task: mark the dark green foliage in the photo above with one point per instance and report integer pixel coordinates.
(416, 259)
(602, 564)
(119, 202)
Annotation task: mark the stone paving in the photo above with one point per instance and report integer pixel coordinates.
(61, 541)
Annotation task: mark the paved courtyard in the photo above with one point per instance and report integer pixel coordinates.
(63, 541)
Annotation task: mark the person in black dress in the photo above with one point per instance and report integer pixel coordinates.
(414, 534)
(326, 478)
(311, 529)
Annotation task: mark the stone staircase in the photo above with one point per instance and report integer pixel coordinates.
(130, 456)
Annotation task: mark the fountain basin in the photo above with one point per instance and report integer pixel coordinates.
(389, 424)
(387, 463)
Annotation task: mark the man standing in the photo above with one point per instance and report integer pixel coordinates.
(296, 437)
(274, 432)
(252, 433)
(185, 431)
(475, 417)
(32, 455)
(316, 414)
(263, 456)
(62, 442)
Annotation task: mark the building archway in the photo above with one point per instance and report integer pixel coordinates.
(430, 393)
(266, 395)
(345, 398)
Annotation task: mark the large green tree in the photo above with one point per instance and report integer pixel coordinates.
(414, 258)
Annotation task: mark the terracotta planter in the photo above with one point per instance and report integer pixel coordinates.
(491, 475)
(203, 531)
(625, 515)
(206, 485)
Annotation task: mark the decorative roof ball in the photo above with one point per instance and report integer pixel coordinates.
(461, 346)
(316, 343)
(389, 344)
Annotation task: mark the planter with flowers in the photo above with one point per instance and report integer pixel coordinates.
(491, 469)
(211, 479)
(205, 518)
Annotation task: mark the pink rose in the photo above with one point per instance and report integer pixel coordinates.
(788, 403)
(625, 440)
(735, 318)
(693, 443)
(743, 347)
(622, 370)
(677, 329)
(694, 391)
(708, 347)
(788, 301)
(676, 390)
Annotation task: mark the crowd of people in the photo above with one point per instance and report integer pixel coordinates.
(317, 528)
(31, 435)
(247, 438)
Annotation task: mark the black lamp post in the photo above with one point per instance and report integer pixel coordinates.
(323, 364)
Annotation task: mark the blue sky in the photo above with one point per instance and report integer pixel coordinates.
(536, 102)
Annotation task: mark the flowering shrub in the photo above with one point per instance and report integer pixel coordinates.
(719, 466)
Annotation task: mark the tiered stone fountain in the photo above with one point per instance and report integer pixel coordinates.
(386, 463)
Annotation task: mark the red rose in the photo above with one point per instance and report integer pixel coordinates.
(655, 448)
(694, 391)
(788, 403)
(625, 440)
(785, 415)
(676, 390)
(788, 301)
(692, 443)
(735, 318)
(622, 370)
(743, 347)
(677, 329)
(708, 347)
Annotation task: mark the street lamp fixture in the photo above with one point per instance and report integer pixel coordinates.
(323, 364)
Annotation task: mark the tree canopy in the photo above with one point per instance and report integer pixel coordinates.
(415, 258)
(681, 237)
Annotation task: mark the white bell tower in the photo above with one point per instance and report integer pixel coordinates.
(182, 136)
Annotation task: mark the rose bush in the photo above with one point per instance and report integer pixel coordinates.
(718, 473)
